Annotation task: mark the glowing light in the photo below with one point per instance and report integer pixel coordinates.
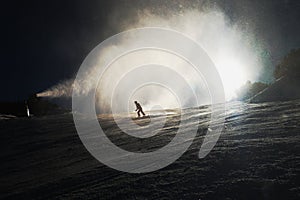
(233, 75)
(28, 113)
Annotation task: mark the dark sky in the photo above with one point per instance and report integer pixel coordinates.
(46, 41)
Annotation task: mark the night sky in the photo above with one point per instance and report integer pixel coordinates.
(46, 41)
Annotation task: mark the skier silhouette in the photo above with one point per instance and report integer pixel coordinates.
(139, 109)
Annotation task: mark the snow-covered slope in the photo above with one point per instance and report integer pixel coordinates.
(256, 157)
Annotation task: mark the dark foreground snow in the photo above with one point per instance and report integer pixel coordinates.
(256, 157)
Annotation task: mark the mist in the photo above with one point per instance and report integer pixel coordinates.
(233, 50)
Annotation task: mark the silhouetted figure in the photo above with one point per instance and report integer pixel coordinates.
(139, 108)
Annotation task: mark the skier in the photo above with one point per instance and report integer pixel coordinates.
(139, 108)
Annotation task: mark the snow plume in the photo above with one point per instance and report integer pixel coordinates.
(63, 89)
(233, 50)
